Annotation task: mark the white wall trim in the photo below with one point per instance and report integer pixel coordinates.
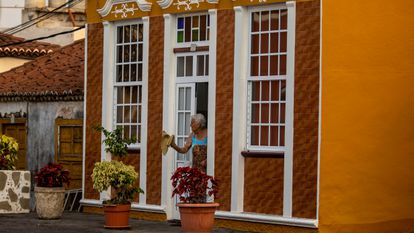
(134, 206)
(168, 111)
(270, 219)
(290, 87)
(106, 9)
(212, 93)
(85, 94)
(239, 107)
(320, 112)
(144, 112)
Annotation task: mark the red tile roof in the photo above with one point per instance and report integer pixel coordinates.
(53, 77)
(27, 50)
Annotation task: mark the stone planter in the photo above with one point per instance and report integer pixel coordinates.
(49, 202)
(14, 191)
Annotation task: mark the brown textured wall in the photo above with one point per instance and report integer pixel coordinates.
(155, 95)
(263, 185)
(305, 147)
(224, 105)
(93, 104)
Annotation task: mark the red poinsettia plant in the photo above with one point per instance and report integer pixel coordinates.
(192, 185)
(52, 175)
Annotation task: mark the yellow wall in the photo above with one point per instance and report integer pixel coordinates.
(8, 63)
(367, 150)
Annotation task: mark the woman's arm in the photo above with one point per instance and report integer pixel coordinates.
(186, 146)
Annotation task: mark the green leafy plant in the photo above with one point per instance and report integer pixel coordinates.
(8, 152)
(114, 142)
(120, 177)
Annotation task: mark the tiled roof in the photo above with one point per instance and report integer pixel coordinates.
(26, 50)
(57, 76)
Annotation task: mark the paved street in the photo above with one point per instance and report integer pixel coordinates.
(81, 223)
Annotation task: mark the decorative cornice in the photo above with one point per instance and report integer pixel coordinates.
(45, 96)
(187, 4)
(143, 5)
(21, 52)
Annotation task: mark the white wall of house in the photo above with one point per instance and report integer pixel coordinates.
(9, 107)
(11, 12)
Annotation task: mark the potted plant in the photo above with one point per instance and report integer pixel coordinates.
(192, 187)
(121, 178)
(49, 191)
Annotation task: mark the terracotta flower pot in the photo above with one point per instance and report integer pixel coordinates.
(117, 216)
(49, 202)
(197, 218)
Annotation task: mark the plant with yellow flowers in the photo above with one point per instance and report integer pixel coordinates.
(119, 176)
(8, 152)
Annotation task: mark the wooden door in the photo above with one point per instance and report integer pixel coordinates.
(18, 132)
(68, 146)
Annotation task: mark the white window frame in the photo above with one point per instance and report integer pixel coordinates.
(129, 84)
(108, 86)
(241, 68)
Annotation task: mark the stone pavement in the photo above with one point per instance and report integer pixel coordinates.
(81, 223)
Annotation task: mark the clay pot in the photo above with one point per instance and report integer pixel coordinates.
(117, 216)
(197, 217)
(49, 202)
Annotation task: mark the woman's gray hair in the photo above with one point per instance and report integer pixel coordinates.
(199, 118)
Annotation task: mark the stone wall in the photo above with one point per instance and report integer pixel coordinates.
(14, 191)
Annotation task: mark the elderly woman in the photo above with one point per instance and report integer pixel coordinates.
(198, 140)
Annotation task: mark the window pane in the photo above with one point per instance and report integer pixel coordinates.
(139, 113)
(181, 99)
(264, 65)
(274, 42)
(180, 66)
(181, 123)
(274, 113)
(274, 136)
(120, 34)
(134, 52)
(265, 113)
(282, 68)
(256, 91)
(265, 21)
(282, 112)
(180, 23)
(187, 123)
(134, 114)
(273, 64)
(265, 90)
(254, 66)
(254, 136)
(255, 44)
(119, 97)
(187, 30)
(282, 136)
(127, 96)
(206, 72)
(126, 73)
(119, 114)
(264, 43)
(126, 53)
(134, 94)
(188, 98)
(255, 113)
(283, 19)
(283, 42)
(195, 35)
(133, 131)
(140, 72)
(134, 33)
(119, 73)
(274, 20)
(127, 34)
(180, 36)
(140, 32)
(264, 136)
(275, 90)
(255, 21)
(283, 90)
(189, 66)
(203, 26)
(200, 65)
(119, 54)
(126, 131)
(139, 94)
(140, 52)
(133, 72)
(139, 134)
(127, 116)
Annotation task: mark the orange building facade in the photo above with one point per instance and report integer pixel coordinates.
(254, 69)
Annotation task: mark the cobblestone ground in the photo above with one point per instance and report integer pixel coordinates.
(81, 223)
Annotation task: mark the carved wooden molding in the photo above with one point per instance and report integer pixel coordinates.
(187, 4)
(143, 5)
